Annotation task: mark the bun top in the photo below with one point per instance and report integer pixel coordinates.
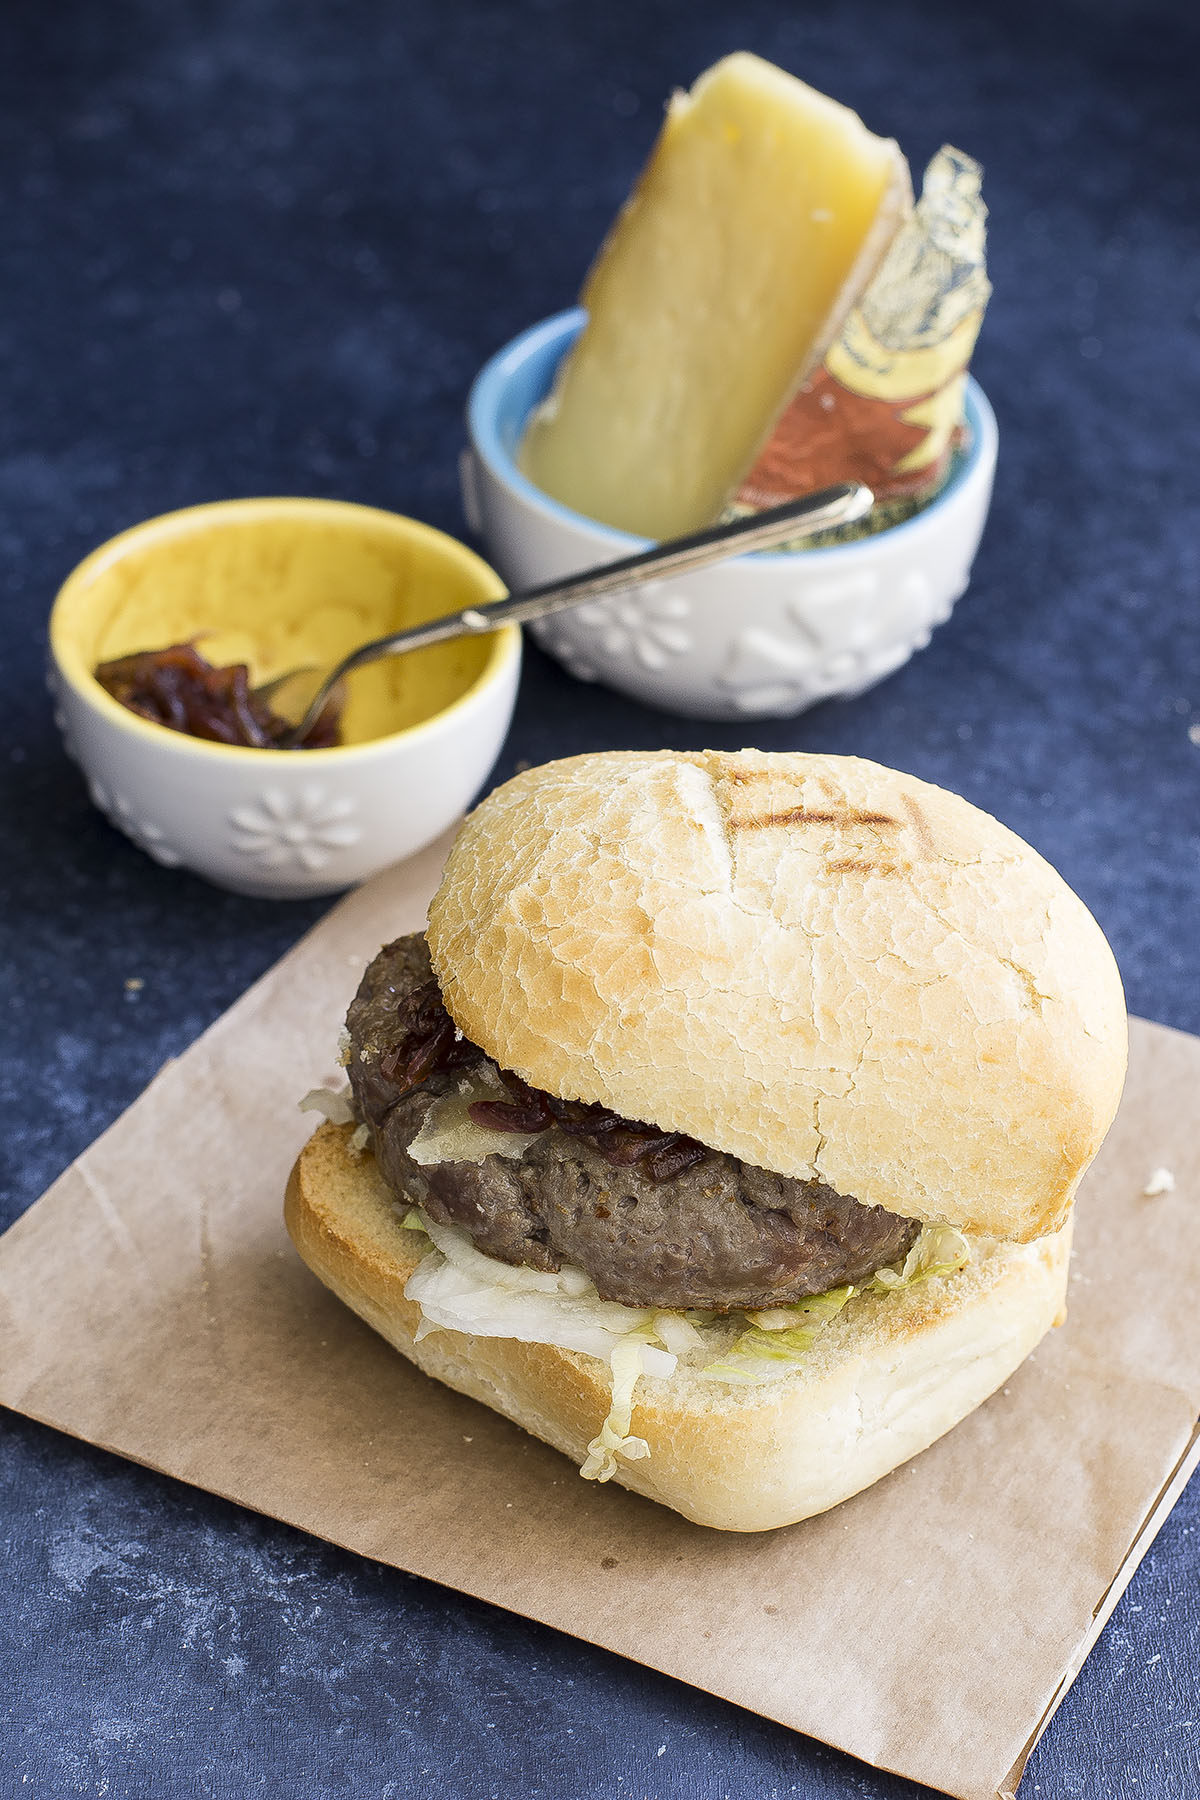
(816, 964)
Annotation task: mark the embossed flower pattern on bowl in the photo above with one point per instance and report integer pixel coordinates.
(141, 831)
(647, 625)
(303, 830)
(836, 637)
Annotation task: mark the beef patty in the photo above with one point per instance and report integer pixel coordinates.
(720, 1234)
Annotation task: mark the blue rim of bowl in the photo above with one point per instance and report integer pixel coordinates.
(560, 331)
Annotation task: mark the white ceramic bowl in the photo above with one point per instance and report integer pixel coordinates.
(280, 583)
(760, 636)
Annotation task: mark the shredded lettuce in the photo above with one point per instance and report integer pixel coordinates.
(780, 1337)
(940, 1250)
(763, 1352)
(678, 1333)
(488, 1271)
(459, 1288)
(627, 1362)
(337, 1106)
(812, 1311)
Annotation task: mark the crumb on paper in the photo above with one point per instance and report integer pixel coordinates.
(1161, 1181)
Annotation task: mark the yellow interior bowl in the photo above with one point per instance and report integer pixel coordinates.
(277, 584)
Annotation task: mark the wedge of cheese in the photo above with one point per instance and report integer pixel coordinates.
(762, 212)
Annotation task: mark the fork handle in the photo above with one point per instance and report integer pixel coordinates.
(831, 506)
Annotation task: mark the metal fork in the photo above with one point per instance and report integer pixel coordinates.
(839, 505)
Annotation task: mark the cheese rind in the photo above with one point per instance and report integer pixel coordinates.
(763, 210)
(886, 405)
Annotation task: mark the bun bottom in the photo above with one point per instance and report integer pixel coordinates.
(886, 1378)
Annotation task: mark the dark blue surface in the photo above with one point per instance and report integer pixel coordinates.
(261, 246)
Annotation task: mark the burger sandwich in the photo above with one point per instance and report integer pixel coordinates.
(724, 1126)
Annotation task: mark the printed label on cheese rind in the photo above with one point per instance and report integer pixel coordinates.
(886, 405)
(762, 212)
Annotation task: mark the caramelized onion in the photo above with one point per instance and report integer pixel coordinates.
(179, 688)
(428, 1042)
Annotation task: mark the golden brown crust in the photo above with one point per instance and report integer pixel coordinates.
(886, 1378)
(819, 965)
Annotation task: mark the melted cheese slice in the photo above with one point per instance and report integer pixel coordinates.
(762, 212)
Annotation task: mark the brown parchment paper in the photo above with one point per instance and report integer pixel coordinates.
(151, 1304)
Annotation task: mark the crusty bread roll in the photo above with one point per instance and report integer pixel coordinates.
(816, 964)
(884, 1380)
(823, 968)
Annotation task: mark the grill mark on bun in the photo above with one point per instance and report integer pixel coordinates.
(920, 825)
(843, 817)
(855, 865)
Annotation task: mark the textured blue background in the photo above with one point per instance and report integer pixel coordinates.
(260, 246)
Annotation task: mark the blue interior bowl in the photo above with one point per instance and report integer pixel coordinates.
(520, 376)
